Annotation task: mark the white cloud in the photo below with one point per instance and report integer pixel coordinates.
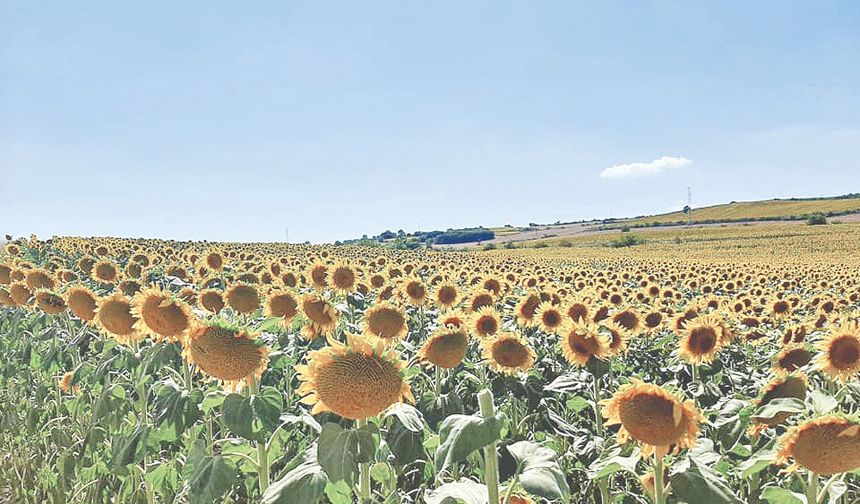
(640, 169)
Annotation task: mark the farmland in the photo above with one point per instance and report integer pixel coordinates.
(703, 365)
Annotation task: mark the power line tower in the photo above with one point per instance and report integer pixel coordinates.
(689, 206)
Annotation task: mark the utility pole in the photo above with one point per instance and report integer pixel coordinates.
(690, 206)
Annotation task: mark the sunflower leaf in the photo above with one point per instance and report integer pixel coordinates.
(821, 403)
(779, 405)
(701, 484)
(540, 473)
(341, 450)
(461, 435)
(305, 483)
(463, 491)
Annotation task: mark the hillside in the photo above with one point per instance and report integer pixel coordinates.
(757, 210)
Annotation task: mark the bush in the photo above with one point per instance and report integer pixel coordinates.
(816, 220)
(625, 229)
(565, 243)
(465, 235)
(541, 245)
(627, 241)
(490, 246)
(510, 245)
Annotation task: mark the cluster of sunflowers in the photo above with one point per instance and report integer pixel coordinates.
(371, 319)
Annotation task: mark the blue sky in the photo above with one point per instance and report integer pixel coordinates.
(237, 120)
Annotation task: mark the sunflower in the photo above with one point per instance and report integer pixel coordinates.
(82, 302)
(485, 322)
(446, 295)
(6, 298)
(49, 302)
(355, 381)
(580, 341)
(792, 358)
(701, 339)
(211, 300)
(826, 445)
(526, 309)
(67, 384)
(454, 318)
(446, 348)
(242, 297)
(385, 321)
(281, 304)
(225, 353)
(342, 277)
(320, 312)
(840, 353)
(548, 317)
(214, 260)
(413, 291)
(481, 299)
(508, 353)
(39, 279)
(618, 337)
(578, 311)
(317, 274)
(160, 315)
(114, 317)
(786, 385)
(105, 271)
(653, 416)
(20, 294)
(628, 319)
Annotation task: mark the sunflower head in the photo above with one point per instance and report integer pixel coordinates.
(160, 315)
(485, 322)
(342, 277)
(701, 339)
(792, 358)
(840, 352)
(49, 302)
(580, 341)
(317, 275)
(526, 309)
(653, 416)
(357, 380)
(826, 445)
(226, 353)
(784, 385)
(508, 353)
(413, 291)
(549, 317)
(281, 304)
(321, 314)
(629, 319)
(82, 302)
(211, 300)
(242, 297)
(385, 321)
(114, 317)
(105, 271)
(446, 348)
(446, 295)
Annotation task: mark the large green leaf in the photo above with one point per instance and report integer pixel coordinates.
(611, 461)
(339, 450)
(540, 473)
(700, 484)
(305, 483)
(757, 463)
(777, 495)
(464, 491)
(253, 416)
(460, 435)
(238, 415)
(209, 476)
(129, 449)
(777, 406)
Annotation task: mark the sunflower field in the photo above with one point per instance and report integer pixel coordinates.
(704, 367)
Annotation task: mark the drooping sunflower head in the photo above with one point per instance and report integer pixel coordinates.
(840, 353)
(629, 319)
(242, 297)
(580, 341)
(211, 300)
(526, 309)
(317, 275)
(549, 317)
(508, 353)
(281, 304)
(653, 416)
(160, 315)
(792, 358)
(413, 291)
(357, 380)
(105, 271)
(39, 278)
(82, 301)
(385, 321)
(826, 445)
(226, 353)
(485, 322)
(50, 302)
(701, 339)
(446, 295)
(342, 277)
(446, 348)
(480, 299)
(115, 318)
(20, 294)
(785, 385)
(320, 313)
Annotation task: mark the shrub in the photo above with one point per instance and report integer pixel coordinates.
(816, 220)
(627, 241)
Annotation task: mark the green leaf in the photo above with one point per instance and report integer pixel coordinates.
(702, 484)
(779, 405)
(164, 478)
(464, 491)
(405, 437)
(129, 449)
(777, 495)
(267, 407)
(460, 435)
(341, 450)
(305, 483)
(821, 403)
(577, 404)
(408, 416)
(611, 461)
(209, 477)
(757, 463)
(238, 415)
(540, 473)
(338, 493)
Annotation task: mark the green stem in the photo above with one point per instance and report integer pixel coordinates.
(363, 471)
(597, 416)
(695, 370)
(812, 489)
(659, 491)
(437, 383)
(491, 462)
(262, 451)
(604, 491)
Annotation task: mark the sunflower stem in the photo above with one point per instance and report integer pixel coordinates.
(659, 497)
(437, 383)
(491, 462)
(262, 449)
(363, 471)
(812, 489)
(695, 372)
(598, 419)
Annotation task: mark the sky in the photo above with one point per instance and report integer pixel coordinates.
(319, 121)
